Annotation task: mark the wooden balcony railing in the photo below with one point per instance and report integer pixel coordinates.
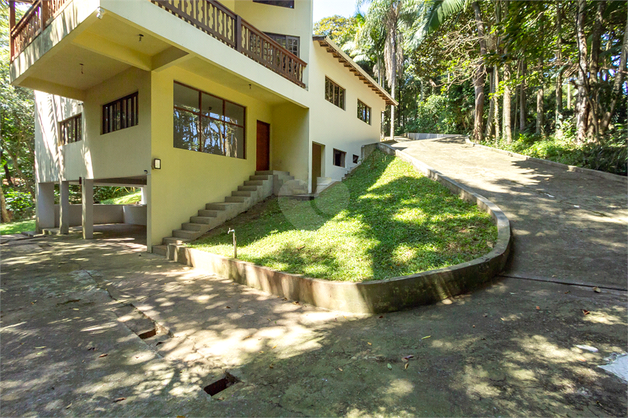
(34, 21)
(218, 21)
(207, 15)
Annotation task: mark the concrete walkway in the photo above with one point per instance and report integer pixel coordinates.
(568, 227)
(73, 311)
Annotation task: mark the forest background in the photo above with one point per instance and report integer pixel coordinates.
(543, 78)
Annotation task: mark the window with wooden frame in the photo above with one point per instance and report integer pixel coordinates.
(71, 130)
(364, 112)
(339, 158)
(291, 43)
(207, 123)
(334, 93)
(281, 3)
(120, 114)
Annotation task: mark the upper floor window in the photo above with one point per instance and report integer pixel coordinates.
(281, 3)
(334, 93)
(291, 43)
(120, 114)
(364, 112)
(207, 123)
(71, 130)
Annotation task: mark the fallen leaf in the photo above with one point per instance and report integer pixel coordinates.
(68, 407)
(228, 307)
(91, 348)
(301, 247)
(538, 309)
(75, 309)
(295, 303)
(274, 347)
(474, 326)
(568, 292)
(389, 366)
(369, 343)
(272, 366)
(406, 366)
(597, 289)
(119, 399)
(339, 369)
(584, 311)
(426, 337)
(103, 355)
(407, 358)
(261, 352)
(381, 316)
(43, 346)
(249, 336)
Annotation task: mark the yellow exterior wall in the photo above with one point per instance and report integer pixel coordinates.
(289, 144)
(332, 126)
(188, 179)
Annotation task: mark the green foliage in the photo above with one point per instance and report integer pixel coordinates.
(610, 155)
(127, 199)
(17, 227)
(106, 194)
(385, 220)
(435, 114)
(338, 28)
(19, 204)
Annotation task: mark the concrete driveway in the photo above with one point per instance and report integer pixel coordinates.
(568, 226)
(101, 328)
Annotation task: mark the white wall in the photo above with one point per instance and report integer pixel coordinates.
(107, 214)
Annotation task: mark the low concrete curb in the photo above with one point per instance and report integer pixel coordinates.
(377, 296)
(573, 168)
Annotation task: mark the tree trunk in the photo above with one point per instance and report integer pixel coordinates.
(582, 106)
(619, 80)
(480, 76)
(495, 99)
(540, 130)
(522, 97)
(506, 106)
(6, 217)
(491, 109)
(559, 75)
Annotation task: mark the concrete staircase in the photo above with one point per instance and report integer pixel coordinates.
(322, 183)
(259, 186)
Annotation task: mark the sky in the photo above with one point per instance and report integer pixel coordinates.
(326, 8)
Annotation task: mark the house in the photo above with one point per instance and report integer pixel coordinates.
(187, 100)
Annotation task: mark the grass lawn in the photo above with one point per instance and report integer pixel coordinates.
(17, 227)
(386, 220)
(128, 199)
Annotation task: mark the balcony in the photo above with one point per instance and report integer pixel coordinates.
(209, 16)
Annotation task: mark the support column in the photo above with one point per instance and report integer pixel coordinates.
(87, 192)
(144, 195)
(45, 207)
(64, 207)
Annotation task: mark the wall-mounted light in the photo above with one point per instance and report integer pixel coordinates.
(100, 12)
(157, 164)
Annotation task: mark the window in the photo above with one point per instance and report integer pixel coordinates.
(206, 123)
(355, 159)
(364, 112)
(334, 93)
(71, 130)
(339, 158)
(291, 43)
(280, 3)
(120, 114)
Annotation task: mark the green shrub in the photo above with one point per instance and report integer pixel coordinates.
(20, 204)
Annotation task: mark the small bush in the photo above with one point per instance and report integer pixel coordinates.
(19, 204)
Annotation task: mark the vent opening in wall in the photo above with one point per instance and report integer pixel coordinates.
(339, 158)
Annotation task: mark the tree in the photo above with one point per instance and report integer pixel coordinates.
(338, 28)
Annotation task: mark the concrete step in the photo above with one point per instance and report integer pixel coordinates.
(271, 173)
(259, 177)
(254, 183)
(175, 240)
(182, 233)
(209, 213)
(237, 199)
(245, 193)
(219, 206)
(193, 226)
(248, 188)
(160, 250)
(206, 220)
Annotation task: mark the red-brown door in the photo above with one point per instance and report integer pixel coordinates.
(263, 146)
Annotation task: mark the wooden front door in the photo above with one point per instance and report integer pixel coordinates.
(317, 163)
(263, 146)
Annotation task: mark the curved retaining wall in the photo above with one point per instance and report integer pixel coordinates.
(376, 296)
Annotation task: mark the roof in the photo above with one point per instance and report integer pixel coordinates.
(345, 60)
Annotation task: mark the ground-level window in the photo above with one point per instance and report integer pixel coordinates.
(120, 114)
(291, 43)
(281, 3)
(364, 112)
(71, 129)
(207, 123)
(355, 159)
(334, 93)
(339, 158)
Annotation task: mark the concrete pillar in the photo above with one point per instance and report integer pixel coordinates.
(64, 207)
(45, 207)
(87, 191)
(144, 195)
